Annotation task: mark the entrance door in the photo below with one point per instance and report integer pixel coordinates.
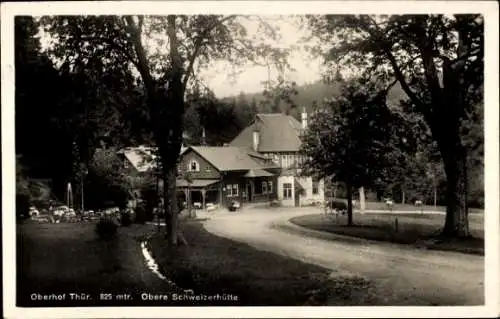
(249, 192)
(297, 198)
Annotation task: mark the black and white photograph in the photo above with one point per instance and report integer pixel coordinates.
(250, 159)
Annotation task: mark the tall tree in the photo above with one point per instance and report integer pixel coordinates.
(348, 137)
(166, 52)
(279, 95)
(438, 62)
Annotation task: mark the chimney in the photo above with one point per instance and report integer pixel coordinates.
(304, 118)
(256, 140)
(203, 136)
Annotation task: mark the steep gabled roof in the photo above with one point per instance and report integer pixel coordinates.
(230, 158)
(142, 158)
(278, 133)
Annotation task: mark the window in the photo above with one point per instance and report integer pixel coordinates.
(291, 160)
(315, 184)
(270, 187)
(207, 169)
(232, 190)
(287, 190)
(276, 159)
(193, 166)
(125, 164)
(264, 187)
(284, 161)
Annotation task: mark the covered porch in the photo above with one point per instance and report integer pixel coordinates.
(200, 192)
(259, 186)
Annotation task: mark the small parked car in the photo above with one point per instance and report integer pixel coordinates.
(60, 210)
(70, 213)
(234, 206)
(197, 205)
(33, 211)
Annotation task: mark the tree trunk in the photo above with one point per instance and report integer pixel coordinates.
(349, 204)
(170, 204)
(454, 159)
(435, 197)
(166, 106)
(403, 197)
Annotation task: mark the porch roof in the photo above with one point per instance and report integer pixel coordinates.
(298, 185)
(257, 173)
(196, 182)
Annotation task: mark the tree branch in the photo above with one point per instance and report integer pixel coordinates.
(117, 46)
(198, 44)
(386, 48)
(142, 63)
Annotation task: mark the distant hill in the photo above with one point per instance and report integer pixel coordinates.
(309, 93)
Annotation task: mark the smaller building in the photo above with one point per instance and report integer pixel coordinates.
(220, 175)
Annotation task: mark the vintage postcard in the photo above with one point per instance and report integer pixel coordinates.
(250, 159)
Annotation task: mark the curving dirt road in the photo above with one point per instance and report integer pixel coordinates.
(401, 275)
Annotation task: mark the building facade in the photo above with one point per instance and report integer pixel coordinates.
(220, 175)
(278, 137)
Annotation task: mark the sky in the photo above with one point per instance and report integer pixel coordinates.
(250, 78)
(307, 68)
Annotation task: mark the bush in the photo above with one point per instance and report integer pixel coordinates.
(140, 214)
(106, 228)
(126, 219)
(338, 205)
(22, 206)
(275, 203)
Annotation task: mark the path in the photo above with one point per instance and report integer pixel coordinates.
(403, 275)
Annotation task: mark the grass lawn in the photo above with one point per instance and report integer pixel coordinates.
(413, 229)
(412, 208)
(70, 258)
(214, 265)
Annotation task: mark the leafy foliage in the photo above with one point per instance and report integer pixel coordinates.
(166, 52)
(438, 62)
(108, 183)
(348, 137)
(205, 111)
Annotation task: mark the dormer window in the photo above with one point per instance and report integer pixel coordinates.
(276, 159)
(194, 166)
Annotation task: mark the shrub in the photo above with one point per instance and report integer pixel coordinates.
(126, 219)
(338, 205)
(140, 214)
(106, 228)
(275, 203)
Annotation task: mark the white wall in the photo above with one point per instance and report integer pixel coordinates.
(309, 197)
(306, 182)
(282, 180)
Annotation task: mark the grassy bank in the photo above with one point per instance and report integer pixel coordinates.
(410, 229)
(69, 258)
(372, 205)
(213, 265)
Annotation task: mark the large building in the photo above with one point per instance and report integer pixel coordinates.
(261, 164)
(278, 137)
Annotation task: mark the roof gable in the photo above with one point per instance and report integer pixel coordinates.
(142, 158)
(229, 158)
(278, 133)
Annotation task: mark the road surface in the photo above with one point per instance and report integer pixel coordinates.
(401, 275)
